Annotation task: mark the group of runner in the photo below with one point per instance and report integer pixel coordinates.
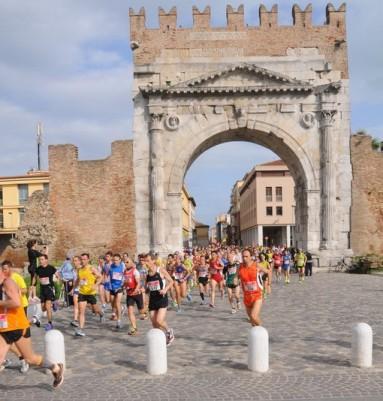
(147, 283)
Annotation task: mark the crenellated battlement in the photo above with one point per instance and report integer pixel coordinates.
(172, 42)
(235, 17)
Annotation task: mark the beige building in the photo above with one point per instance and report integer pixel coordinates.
(267, 205)
(188, 217)
(14, 194)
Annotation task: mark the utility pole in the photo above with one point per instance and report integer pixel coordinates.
(39, 143)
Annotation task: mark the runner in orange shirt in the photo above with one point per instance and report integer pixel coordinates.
(252, 286)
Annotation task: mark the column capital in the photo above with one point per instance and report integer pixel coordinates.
(155, 121)
(327, 118)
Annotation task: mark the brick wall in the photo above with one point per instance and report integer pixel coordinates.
(93, 201)
(367, 197)
(237, 39)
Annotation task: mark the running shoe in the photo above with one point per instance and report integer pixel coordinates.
(6, 364)
(233, 310)
(179, 310)
(48, 326)
(238, 306)
(79, 333)
(169, 337)
(189, 297)
(118, 324)
(133, 331)
(54, 306)
(212, 306)
(174, 304)
(74, 323)
(102, 318)
(24, 366)
(59, 376)
(36, 321)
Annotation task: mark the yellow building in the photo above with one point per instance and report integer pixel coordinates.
(14, 193)
(188, 217)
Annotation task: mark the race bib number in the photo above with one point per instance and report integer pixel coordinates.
(83, 283)
(213, 271)
(44, 280)
(3, 321)
(232, 270)
(117, 276)
(178, 276)
(154, 285)
(251, 286)
(202, 273)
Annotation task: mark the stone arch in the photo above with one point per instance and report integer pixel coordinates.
(264, 134)
(272, 137)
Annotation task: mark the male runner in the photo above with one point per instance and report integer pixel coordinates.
(45, 273)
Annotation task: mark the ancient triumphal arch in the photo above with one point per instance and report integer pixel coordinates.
(283, 87)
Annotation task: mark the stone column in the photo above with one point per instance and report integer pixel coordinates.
(260, 235)
(156, 182)
(288, 236)
(327, 179)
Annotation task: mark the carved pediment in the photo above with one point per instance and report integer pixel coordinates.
(242, 77)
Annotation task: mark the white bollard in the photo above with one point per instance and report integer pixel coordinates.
(54, 347)
(156, 352)
(258, 351)
(361, 349)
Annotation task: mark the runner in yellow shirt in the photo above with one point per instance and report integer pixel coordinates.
(300, 262)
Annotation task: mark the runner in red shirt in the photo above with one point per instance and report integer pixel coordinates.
(216, 276)
(251, 283)
(277, 259)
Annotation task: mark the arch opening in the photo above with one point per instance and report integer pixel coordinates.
(284, 146)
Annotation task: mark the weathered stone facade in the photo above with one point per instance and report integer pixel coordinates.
(285, 88)
(93, 200)
(367, 197)
(39, 222)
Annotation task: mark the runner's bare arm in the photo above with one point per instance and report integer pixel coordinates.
(13, 295)
(169, 280)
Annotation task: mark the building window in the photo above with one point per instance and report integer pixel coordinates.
(278, 194)
(279, 210)
(46, 187)
(1, 218)
(23, 193)
(269, 194)
(21, 215)
(269, 211)
(1, 196)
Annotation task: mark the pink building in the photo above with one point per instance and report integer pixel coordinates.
(267, 205)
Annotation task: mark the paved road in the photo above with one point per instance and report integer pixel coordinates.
(310, 333)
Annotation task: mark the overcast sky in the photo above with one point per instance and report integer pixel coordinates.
(68, 64)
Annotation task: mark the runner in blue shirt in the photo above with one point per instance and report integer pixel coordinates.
(116, 276)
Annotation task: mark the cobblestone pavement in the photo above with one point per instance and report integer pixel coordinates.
(309, 326)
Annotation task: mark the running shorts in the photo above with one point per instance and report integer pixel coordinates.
(135, 299)
(115, 292)
(13, 336)
(90, 299)
(250, 299)
(285, 267)
(203, 280)
(232, 286)
(217, 277)
(47, 293)
(158, 303)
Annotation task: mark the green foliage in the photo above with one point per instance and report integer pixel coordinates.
(376, 144)
(364, 264)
